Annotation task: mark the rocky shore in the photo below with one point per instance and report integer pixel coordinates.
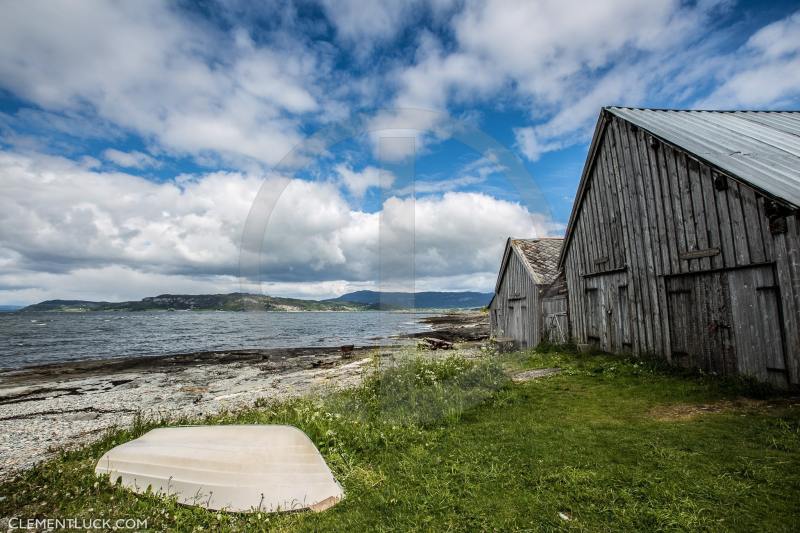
(64, 405)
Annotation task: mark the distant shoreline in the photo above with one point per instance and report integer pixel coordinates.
(241, 301)
(65, 405)
(418, 310)
(452, 325)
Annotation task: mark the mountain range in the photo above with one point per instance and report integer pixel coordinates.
(354, 301)
(419, 300)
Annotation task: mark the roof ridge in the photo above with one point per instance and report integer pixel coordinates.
(676, 110)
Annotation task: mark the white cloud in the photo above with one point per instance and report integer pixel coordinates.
(572, 123)
(473, 173)
(530, 143)
(167, 77)
(61, 224)
(368, 21)
(357, 182)
(765, 71)
(132, 159)
(562, 61)
(365, 25)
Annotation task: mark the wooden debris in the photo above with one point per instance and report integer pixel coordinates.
(436, 344)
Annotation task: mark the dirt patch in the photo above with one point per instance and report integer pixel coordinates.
(529, 375)
(688, 411)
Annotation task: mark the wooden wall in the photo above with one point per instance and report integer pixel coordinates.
(515, 311)
(652, 216)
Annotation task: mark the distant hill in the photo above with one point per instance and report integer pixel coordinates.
(9, 308)
(419, 300)
(237, 301)
(198, 302)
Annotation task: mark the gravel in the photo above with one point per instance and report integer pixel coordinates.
(39, 418)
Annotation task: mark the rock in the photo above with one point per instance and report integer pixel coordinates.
(347, 350)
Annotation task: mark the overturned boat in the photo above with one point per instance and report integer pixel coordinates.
(237, 468)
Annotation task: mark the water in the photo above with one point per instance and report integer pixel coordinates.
(38, 338)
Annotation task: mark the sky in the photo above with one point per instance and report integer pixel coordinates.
(312, 148)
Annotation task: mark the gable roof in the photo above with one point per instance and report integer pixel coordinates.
(758, 148)
(762, 148)
(538, 256)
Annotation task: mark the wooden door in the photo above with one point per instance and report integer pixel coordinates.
(727, 322)
(699, 315)
(757, 320)
(554, 320)
(517, 323)
(608, 321)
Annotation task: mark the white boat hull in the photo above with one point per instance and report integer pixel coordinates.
(242, 468)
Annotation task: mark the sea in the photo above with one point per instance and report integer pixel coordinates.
(29, 339)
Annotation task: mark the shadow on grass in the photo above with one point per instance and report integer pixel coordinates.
(599, 362)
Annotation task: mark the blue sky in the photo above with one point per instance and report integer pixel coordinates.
(136, 137)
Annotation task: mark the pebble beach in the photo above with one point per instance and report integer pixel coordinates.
(54, 407)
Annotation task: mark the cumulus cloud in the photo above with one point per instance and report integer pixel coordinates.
(62, 223)
(240, 90)
(143, 66)
(563, 61)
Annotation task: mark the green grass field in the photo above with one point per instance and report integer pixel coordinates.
(606, 445)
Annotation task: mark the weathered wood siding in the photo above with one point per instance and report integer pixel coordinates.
(516, 311)
(656, 223)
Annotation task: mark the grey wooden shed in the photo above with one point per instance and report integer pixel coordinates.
(684, 240)
(528, 268)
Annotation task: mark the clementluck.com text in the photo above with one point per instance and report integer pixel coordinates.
(76, 523)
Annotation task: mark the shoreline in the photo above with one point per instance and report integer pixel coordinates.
(65, 405)
(454, 327)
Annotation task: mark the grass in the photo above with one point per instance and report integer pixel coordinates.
(608, 444)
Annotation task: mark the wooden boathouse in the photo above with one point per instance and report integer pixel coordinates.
(527, 270)
(684, 240)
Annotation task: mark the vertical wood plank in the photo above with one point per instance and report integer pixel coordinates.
(689, 227)
(741, 248)
(755, 240)
(677, 207)
(710, 211)
(698, 210)
(725, 224)
(631, 177)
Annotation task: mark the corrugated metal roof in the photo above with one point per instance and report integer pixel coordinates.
(761, 148)
(540, 257)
